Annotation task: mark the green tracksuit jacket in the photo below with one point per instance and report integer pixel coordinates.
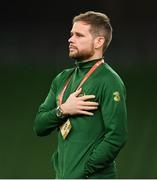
(94, 142)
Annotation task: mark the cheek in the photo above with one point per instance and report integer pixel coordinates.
(85, 45)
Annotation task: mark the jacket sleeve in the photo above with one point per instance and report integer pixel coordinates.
(46, 120)
(113, 107)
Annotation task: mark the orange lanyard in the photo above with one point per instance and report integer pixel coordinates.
(93, 68)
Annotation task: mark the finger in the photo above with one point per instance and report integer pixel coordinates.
(89, 103)
(87, 97)
(86, 113)
(77, 92)
(88, 107)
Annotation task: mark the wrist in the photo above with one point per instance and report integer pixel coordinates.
(60, 112)
(64, 109)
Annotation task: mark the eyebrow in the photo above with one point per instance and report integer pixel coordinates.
(77, 33)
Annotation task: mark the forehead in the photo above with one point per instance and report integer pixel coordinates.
(80, 27)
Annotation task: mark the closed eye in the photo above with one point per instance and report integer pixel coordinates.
(76, 34)
(79, 35)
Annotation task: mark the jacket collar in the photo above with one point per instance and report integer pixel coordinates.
(86, 64)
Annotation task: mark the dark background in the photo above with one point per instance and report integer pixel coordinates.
(34, 49)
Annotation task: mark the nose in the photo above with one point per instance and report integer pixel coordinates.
(70, 39)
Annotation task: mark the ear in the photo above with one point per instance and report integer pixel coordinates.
(99, 42)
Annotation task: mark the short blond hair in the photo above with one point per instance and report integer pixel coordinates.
(100, 25)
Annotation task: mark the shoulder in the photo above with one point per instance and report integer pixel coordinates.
(110, 75)
(62, 76)
(111, 79)
(65, 72)
(112, 82)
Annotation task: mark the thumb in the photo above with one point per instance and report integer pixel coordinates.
(77, 92)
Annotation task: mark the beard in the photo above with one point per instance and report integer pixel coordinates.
(81, 55)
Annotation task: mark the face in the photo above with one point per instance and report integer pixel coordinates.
(81, 42)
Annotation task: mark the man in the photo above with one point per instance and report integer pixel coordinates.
(86, 104)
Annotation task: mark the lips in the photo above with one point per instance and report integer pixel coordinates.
(72, 47)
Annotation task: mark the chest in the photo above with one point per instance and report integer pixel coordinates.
(90, 86)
